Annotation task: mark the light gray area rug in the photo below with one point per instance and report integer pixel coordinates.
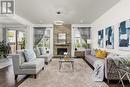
(51, 77)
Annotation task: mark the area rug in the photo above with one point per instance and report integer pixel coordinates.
(66, 77)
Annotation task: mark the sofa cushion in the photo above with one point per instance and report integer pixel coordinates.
(91, 59)
(32, 64)
(29, 55)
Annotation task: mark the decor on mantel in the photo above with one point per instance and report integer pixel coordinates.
(100, 38)
(109, 37)
(61, 38)
(124, 35)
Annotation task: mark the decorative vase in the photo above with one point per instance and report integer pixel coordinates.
(66, 58)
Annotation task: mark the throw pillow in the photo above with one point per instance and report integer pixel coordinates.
(101, 54)
(112, 55)
(98, 53)
(29, 55)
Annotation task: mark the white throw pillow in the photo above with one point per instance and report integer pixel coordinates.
(29, 55)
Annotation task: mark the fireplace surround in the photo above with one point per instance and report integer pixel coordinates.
(60, 51)
(60, 48)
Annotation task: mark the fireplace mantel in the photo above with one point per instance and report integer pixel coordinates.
(62, 44)
(64, 29)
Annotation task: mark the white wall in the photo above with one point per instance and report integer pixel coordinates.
(1, 35)
(117, 14)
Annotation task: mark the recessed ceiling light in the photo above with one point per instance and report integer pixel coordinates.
(41, 21)
(81, 21)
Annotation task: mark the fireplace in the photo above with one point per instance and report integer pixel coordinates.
(60, 51)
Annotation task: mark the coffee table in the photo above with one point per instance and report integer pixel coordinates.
(70, 60)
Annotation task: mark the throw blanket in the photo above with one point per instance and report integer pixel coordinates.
(98, 74)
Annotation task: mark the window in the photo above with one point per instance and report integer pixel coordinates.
(81, 38)
(77, 39)
(42, 39)
(11, 36)
(45, 42)
(16, 39)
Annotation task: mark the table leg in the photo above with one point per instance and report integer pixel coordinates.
(60, 63)
(128, 77)
(72, 65)
(121, 78)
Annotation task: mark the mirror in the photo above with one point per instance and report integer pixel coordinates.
(61, 38)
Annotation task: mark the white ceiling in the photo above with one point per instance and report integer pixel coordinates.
(73, 11)
(7, 20)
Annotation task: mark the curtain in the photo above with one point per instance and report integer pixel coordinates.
(5, 35)
(39, 33)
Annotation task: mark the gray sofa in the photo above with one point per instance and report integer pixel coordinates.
(26, 68)
(111, 71)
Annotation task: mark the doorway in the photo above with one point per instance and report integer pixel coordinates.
(16, 40)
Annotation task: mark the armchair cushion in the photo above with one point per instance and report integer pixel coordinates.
(29, 55)
(33, 64)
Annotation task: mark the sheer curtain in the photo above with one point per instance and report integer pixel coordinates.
(39, 34)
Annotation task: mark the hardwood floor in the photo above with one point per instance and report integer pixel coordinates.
(7, 79)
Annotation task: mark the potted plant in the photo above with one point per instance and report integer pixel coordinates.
(4, 49)
(77, 45)
(85, 44)
(23, 43)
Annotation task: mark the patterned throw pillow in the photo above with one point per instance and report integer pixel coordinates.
(29, 55)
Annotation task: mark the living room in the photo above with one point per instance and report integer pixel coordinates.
(64, 43)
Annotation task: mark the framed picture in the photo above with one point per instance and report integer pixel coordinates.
(61, 38)
(109, 37)
(124, 35)
(100, 38)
